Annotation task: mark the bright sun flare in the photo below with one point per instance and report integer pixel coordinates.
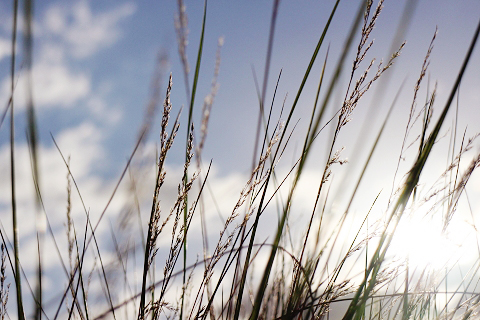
(420, 240)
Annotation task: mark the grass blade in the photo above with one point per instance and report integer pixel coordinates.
(33, 139)
(18, 285)
(190, 114)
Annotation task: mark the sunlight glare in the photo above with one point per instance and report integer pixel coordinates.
(420, 240)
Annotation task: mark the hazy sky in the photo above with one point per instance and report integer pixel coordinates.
(94, 61)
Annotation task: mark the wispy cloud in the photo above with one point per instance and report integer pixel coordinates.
(83, 31)
(55, 85)
(64, 34)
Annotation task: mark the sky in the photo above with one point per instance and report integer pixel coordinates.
(93, 66)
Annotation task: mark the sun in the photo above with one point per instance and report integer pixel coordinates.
(422, 241)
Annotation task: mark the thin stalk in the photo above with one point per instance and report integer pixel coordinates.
(260, 117)
(152, 233)
(32, 136)
(18, 285)
(80, 273)
(266, 274)
(185, 181)
(300, 90)
(122, 175)
(265, 77)
(296, 273)
(357, 185)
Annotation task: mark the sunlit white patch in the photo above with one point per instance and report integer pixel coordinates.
(421, 240)
(41, 223)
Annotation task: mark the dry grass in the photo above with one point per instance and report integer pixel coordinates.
(337, 268)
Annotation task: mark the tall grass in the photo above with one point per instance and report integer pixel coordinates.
(331, 271)
(12, 170)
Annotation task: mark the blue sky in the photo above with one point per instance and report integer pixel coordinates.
(94, 61)
(106, 51)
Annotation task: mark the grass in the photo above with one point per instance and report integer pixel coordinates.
(336, 269)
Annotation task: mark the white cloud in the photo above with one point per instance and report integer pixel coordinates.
(5, 48)
(84, 31)
(66, 32)
(54, 85)
(82, 143)
(101, 111)
(72, 23)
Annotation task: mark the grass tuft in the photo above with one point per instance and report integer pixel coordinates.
(332, 263)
